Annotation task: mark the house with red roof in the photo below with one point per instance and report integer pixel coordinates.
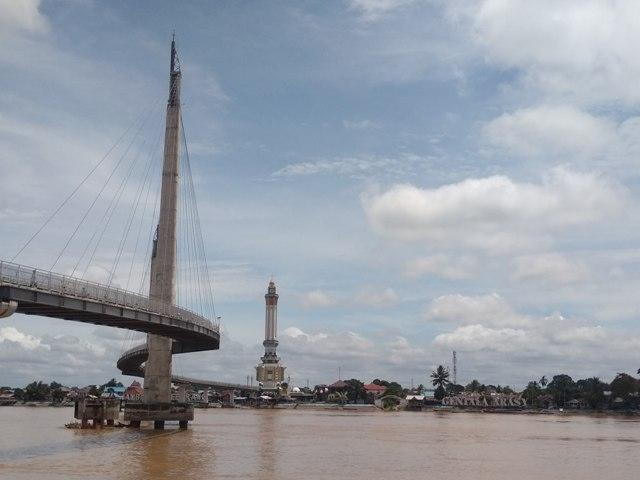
(374, 391)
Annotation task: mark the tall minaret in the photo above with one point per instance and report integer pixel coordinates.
(162, 288)
(270, 373)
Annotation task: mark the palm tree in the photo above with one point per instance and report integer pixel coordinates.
(440, 377)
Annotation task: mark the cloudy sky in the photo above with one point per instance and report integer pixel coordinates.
(419, 176)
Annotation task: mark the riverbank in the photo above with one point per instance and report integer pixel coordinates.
(368, 408)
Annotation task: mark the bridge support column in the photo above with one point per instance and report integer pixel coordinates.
(157, 373)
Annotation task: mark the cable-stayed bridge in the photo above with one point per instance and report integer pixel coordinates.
(35, 292)
(172, 269)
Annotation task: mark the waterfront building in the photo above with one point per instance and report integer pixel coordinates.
(8, 398)
(374, 391)
(134, 392)
(113, 392)
(338, 386)
(270, 373)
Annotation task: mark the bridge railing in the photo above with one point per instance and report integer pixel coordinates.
(23, 276)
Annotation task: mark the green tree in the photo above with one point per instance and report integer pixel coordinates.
(57, 395)
(440, 377)
(532, 392)
(382, 383)
(355, 390)
(474, 386)
(562, 388)
(36, 392)
(394, 388)
(592, 391)
(440, 392)
(454, 389)
(624, 386)
(18, 393)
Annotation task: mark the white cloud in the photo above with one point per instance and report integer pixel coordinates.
(372, 10)
(549, 267)
(543, 345)
(445, 266)
(377, 297)
(584, 49)
(317, 299)
(320, 354)
(567, 134)
(65, 358)
(340, 166)
(368, 296)
(478, 337)
(22, 15)
(325, 345)
(295, 332)
(360, 125)
(551, 130)
(489, 309)
(492, 213)
(11, 334)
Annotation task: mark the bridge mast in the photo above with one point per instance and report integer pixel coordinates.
(162, 288)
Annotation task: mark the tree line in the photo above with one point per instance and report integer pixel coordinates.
(39, 391)
(561, 391)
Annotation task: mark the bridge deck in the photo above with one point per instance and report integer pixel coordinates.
(52, 295)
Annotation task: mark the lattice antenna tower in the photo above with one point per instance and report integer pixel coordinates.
(455, 368)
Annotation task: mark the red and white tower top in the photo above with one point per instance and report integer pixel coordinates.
(270, 324)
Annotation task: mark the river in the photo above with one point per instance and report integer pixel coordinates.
(312, 444)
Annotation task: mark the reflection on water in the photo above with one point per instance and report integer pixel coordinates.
(279, 444)
(267, 424)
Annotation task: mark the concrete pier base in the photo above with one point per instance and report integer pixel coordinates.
(96, 410)
(158, 413)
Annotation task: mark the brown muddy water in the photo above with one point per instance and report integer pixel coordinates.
(311, 444)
